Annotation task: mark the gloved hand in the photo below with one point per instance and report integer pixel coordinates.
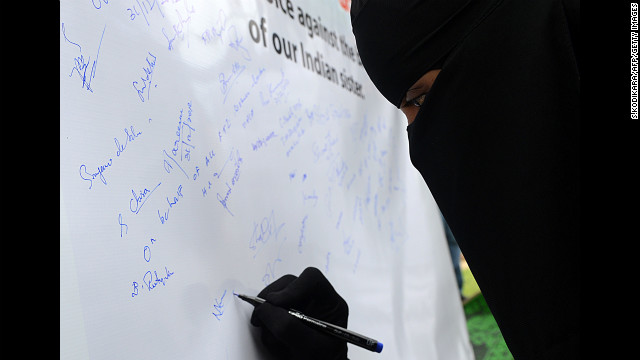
(289, 338)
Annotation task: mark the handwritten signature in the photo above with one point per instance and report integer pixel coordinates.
(81, 65)
(129, 137)
(153, 280)
(263, 232)
(226, 33)
(177, 30)
(146, 78)
(165, 216)
(226, 82)
(87, 176)
(218, 307)
(150, 280)
(140, 198)
(237, 161)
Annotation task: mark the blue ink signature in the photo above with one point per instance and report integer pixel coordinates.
(270, 271)
(151, 280)
(168, 166)
(220, 29)
(146, 80)
(235, 42)
(91, 176)
(130, 135)
(218, 307)
(140, 199)
(171, 203)
(277, 92)
(81, 65)
(226, 82)
(303, 238)
(234, 179)
(261, 142)
(178, 27)
(265, 231)
(313, 198)
(184, 137)
(128, 138)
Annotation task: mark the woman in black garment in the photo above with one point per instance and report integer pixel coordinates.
(491, 91)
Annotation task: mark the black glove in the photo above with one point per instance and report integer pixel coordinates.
(288, 337)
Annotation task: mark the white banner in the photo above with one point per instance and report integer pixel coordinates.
(210, 147)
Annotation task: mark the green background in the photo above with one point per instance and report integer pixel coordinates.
(484, 334)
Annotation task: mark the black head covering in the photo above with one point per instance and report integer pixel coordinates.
(497, 143)
(406, 38)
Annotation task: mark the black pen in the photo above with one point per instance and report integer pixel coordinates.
(327, 328)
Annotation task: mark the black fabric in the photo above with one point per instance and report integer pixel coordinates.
(497, 142)
(288, 338)
(407, 37)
